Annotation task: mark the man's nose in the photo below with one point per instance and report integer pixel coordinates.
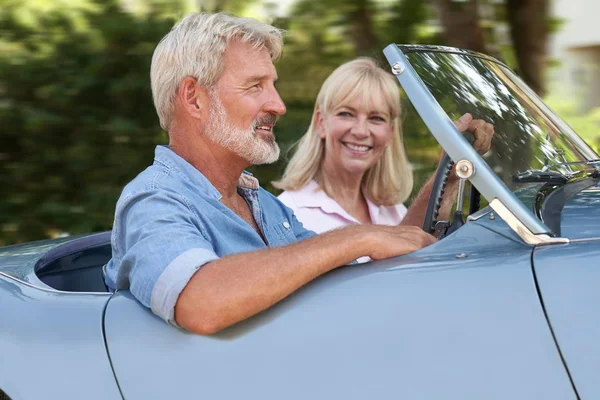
(275, 104)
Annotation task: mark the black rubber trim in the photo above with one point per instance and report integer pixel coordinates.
(553, 203)
(560, 354)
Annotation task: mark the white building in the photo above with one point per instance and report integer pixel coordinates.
(576, 49)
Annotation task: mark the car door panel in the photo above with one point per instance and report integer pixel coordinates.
(426, 325)
(567, 276)
(52, 344)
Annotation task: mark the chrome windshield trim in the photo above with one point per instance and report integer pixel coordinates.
(520, 228)
(591, 239)
(478, 214)
(440, 125)
(420, 48)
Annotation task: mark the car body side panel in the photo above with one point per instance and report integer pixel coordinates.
(580, 218)
(428, 325)
(52, 344)
(18, 261)
(568, 277)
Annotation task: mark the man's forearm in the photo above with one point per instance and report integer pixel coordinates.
(236, 287)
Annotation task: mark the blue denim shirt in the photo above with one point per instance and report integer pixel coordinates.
(169, 222)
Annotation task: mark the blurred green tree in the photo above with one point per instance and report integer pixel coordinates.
(470, 24)
(76, 114)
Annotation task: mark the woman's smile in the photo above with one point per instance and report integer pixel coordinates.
(358, 149)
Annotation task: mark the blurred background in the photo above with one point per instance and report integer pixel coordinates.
(76, 115)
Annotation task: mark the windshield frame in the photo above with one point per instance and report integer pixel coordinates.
(500, 197)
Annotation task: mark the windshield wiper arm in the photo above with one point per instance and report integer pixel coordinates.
(536, 175)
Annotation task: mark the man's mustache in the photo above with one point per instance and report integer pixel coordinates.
(269, 119)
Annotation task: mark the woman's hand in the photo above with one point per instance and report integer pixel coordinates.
(483, 132)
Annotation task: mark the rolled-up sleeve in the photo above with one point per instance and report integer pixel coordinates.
(162, 248)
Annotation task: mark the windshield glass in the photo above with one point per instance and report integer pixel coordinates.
(528, 134)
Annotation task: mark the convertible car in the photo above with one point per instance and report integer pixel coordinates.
(503, 306)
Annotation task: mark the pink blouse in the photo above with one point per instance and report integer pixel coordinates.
(320, 213)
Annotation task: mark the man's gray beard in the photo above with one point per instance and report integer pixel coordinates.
(243, 142)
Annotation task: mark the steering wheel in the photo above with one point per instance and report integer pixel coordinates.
(437, 194)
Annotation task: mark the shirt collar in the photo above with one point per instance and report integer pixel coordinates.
(248, 181)
(312, 196)
(164, 155)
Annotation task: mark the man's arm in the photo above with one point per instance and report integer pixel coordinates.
(233, 288)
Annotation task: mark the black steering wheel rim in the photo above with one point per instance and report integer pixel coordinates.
(437, 194)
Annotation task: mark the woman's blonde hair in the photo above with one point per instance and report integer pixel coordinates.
(390, 180)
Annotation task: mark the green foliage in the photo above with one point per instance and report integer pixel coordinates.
(586, 124)
(76, 114)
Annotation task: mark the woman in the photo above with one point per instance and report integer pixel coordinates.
(350, 166)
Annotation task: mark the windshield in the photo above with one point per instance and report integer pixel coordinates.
(529, 136)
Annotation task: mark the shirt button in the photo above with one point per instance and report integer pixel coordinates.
(286, 225)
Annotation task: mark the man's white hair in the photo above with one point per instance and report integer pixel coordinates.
(195, 47)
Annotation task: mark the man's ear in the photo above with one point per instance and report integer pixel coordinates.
(193, 97)
(319, 122)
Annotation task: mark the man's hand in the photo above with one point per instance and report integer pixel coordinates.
(482, 131)
(391, 241)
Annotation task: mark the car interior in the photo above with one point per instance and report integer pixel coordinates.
(76, 266)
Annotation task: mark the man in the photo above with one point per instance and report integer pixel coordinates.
(195, 239)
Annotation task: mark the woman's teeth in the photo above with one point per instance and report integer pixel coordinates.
(357, 147)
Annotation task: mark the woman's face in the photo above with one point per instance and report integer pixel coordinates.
(355, 137)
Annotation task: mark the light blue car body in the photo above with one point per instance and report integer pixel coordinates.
(480, 314)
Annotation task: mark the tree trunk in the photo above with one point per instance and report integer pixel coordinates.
(529, 33)
(460, 23)
(361, 28)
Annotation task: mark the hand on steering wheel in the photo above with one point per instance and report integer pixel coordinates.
(481, 138)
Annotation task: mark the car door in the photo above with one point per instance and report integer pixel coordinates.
(428, 325)
(568, 278)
